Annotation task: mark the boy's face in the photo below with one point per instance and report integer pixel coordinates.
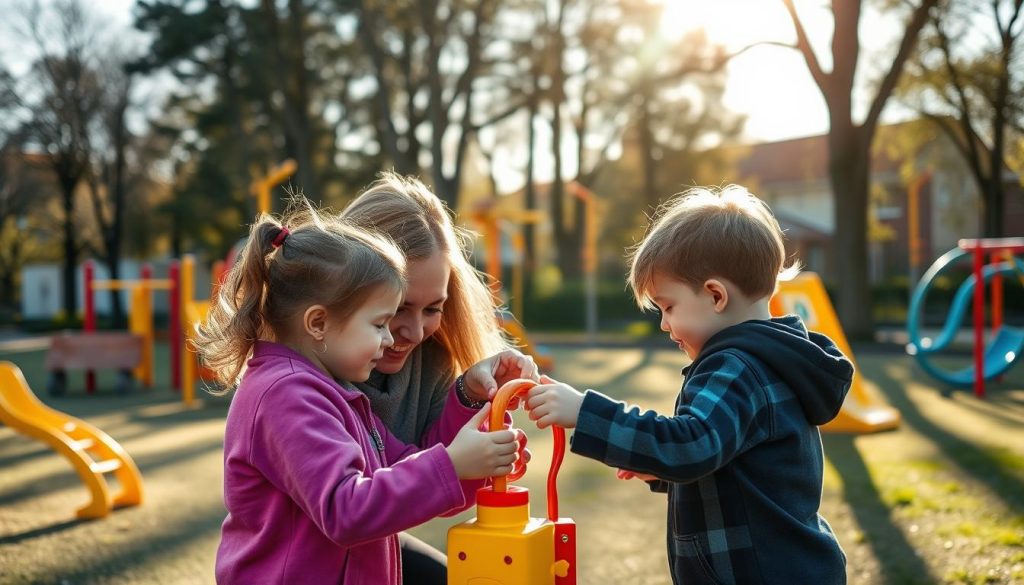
(689, 317)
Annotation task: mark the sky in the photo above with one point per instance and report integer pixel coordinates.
(769, 84)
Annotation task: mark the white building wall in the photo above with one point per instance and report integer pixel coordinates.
(42, 287)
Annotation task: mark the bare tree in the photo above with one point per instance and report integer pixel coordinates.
(78, 96)
(63, 105)
(108, 172)
(974, 94)
(849, 145)
(427, 59)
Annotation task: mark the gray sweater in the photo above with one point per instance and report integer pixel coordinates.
(410, 400)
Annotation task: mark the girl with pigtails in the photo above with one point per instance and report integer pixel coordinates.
(316, 486)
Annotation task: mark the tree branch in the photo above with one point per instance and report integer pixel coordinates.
(804, 46)
(917, 22)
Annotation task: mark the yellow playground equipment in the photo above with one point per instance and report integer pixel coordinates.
(491, 220)
(503, 545)
(863, 412)
(91, 451)
(260, 187)
(193, 312)
(140, 317)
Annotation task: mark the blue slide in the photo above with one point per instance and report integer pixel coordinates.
(1001, 352)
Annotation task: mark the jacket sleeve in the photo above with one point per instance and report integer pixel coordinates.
(452, 418)
(658, 486)
(305, 450)
(723, 413)
(450, 411)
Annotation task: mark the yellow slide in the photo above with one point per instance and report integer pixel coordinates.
(863, 412)
(91, 451)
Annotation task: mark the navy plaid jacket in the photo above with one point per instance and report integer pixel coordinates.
(741, 459)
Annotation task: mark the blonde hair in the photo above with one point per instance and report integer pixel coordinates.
(321, 260)
(405, 210)
(706, 232)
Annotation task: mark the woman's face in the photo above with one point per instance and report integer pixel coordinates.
(419, 315)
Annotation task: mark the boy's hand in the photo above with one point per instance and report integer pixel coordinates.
(553, 403)
(478, 454)
(623, 474)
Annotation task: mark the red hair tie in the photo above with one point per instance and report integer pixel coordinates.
(279, 239)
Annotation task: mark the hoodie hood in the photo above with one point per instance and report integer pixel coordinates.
(810, 363)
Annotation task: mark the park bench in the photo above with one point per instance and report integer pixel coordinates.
(105, 350)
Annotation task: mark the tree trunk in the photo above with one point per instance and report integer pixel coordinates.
(70, 250)
(992, 202)
(289, 61)
(530, 196)
(647, 152)
(113, 239)
(849, 153)
(556, 194)
(8, 292)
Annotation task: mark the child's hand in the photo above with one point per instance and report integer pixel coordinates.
(523, 455)
(623, 474)
(478, 454)
(553, 403)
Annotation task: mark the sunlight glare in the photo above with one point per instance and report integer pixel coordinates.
(733, 23)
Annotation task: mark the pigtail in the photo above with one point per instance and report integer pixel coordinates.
(237, 316)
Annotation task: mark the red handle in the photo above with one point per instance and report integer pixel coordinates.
(499, 404)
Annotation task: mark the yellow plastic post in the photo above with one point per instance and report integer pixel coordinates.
(188, 364)
(261, 187)
(140, 322)
(862, 412)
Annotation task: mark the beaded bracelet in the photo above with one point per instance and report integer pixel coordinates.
(460, 391)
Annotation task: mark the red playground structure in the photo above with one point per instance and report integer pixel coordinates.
(998, 250)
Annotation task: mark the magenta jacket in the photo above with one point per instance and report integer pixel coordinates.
(316, 487)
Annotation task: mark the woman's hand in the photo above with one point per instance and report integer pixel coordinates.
(486, 376)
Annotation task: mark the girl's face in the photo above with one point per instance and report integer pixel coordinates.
(356, 346)
(419, 315)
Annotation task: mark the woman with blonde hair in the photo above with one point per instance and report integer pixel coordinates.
(445, 326)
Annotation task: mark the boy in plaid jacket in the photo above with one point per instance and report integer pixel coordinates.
(741, 458)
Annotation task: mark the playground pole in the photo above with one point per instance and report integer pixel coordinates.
(979, 322)
(261, 187)
(146, 296)
(186, 285)
(174, 325)
(997, 289)
(89, 323)
(589, 257)
(914, 231)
